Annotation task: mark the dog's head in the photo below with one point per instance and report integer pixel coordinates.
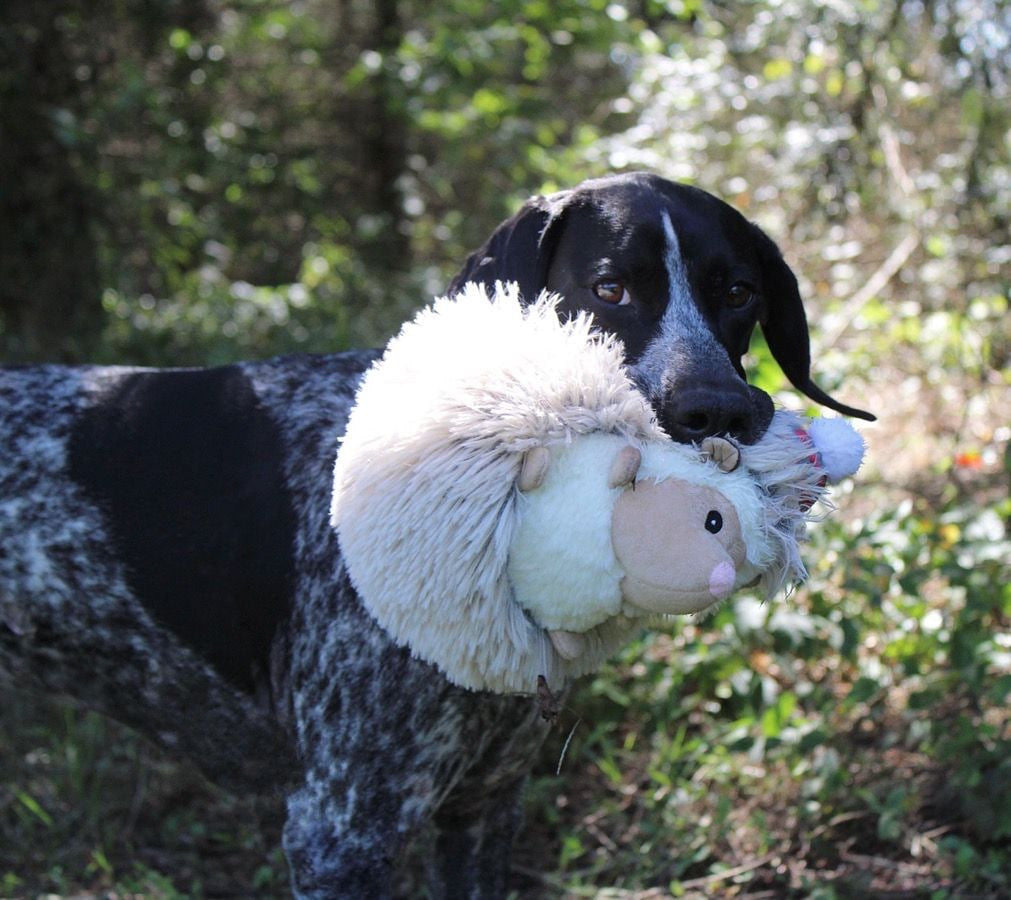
(680, 277)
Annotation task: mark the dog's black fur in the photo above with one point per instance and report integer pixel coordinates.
(167, 556)
(608, 233)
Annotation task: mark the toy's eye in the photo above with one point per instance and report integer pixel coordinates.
(740, 295)
(714, 522)
(612, 292)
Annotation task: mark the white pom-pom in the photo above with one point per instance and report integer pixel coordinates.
(839, 445)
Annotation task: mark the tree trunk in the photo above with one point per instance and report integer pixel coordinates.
(385, 147)
(50, 294)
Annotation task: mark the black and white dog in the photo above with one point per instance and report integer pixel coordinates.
(167, 558)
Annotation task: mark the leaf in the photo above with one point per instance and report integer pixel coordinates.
(775, 718)
(972, 108)
(32, 805)
(180, 39)
(490, 104)
(863, 689)
(776, 69)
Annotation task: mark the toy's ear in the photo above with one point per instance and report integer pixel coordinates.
(785, 327)
(519, 250)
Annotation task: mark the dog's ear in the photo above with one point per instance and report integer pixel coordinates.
(519, 250)
(785, 327)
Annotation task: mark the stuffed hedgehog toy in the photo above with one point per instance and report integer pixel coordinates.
(508, 507)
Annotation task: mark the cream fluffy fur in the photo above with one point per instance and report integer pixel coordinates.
(424, 498)
(425, 502)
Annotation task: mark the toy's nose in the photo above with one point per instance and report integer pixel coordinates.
(721, 579)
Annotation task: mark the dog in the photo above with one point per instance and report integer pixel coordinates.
(167, 556)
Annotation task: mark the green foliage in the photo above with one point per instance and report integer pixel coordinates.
(225, 147)
(87, 806)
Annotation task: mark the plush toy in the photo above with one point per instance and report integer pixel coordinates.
(508, 508)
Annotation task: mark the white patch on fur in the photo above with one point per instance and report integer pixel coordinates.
(682, 318)
(682, 325)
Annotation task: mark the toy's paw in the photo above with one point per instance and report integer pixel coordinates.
(569, 644)
(721, 451)
(625, 467)
(840, 447)
(534, 469)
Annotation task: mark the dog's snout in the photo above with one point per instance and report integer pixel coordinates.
(689, 416)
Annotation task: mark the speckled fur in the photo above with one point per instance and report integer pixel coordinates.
(368, 744)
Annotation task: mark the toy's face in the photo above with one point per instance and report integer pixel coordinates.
(679, 543)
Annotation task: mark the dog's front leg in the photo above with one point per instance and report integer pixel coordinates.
(473, 846)
(342, 842)
(379, 747)
(367, 789)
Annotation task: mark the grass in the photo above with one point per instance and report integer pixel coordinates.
(87, 808)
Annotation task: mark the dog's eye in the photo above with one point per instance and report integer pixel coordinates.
(612, 292)
(714, 522)
(740, 295)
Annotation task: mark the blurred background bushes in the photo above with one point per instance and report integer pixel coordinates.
(193, 181)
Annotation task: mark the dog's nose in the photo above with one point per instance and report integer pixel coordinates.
(691, 415)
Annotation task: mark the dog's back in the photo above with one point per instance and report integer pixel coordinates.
(148, 522)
